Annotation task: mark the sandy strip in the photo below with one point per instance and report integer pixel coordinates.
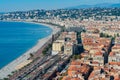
(21, 65)
(5, 71)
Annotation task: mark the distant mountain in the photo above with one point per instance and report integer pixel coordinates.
(103, 5)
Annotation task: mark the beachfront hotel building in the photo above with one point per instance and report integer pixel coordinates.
(65, 43)
(56, 47)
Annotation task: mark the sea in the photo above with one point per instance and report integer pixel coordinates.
(18, 37)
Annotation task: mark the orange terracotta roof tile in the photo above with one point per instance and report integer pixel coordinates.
(70, 78)
(92, 75)
(98, 53)
(111, 54)
(78, 68)
(95, 62)
(114, 63)
(75, 62)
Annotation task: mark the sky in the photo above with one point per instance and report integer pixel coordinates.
(22, 5)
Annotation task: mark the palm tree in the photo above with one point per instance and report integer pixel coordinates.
(31, 55)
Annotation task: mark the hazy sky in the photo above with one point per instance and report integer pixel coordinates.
(18, 5)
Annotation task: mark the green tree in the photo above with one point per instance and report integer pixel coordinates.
(118, 35)
(101, 35)
(5, 79)
(31, 55)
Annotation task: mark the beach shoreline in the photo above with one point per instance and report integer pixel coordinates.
(8, 69)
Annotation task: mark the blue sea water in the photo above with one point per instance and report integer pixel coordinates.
(18, 37)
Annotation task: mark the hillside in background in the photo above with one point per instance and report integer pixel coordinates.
(103, 5)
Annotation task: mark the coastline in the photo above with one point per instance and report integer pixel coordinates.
(8, 69)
